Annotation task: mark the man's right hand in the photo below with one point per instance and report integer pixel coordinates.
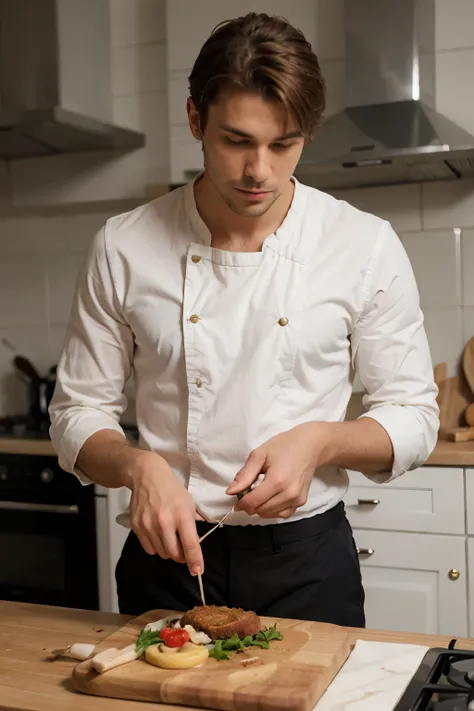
(163, 513)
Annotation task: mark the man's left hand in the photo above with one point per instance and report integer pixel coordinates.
(288, 462)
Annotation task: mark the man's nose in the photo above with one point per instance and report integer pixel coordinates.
(257, 167)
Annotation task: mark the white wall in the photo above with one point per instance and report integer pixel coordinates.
(435, 221)
(41, 245)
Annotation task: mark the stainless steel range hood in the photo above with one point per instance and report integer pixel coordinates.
(55, 83)
(389, 131)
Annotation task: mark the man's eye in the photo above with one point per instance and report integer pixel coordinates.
(234, 142)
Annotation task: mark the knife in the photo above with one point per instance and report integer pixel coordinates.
(218, 525)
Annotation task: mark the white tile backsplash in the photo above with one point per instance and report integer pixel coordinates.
(444, 329)
(61, 273)
(32, 235)
(455, 70)
(178, 93)
(137, 22)
(80, 229)
(181, 56)
(22, 292)
(454, 24)
(468, 324)
(399, 204)
(333, 73)
(55, 342)
(467, 251)
(330, 30)
(436, 261)
(448, 203)
(40, 253)
(138, 69)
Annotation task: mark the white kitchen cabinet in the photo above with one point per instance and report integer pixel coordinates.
(470, 573)
(111, 538)
(411, 582)
(470, 501)
(429, 500)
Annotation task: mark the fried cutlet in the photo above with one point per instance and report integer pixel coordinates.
(222, 622)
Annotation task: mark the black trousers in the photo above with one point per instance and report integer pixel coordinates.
(306, 570)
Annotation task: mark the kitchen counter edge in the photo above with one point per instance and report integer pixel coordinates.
(447, 454)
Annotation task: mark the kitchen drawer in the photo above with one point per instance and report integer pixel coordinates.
(414, 582)
(429, 500)
(470, 567)
(470, 501)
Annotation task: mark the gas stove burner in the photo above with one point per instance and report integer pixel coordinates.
(444, 681)
(462, 673)
(454, 703)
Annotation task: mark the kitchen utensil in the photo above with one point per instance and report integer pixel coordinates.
(468, 363)
(469, 415)
(440, 372)
(6, 343)
(290, 676)
(218, 524)
(201, 590)
(461, 434)
(453, 399)
(25, 366)
(229, 513)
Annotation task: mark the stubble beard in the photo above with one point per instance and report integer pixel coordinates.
(241, 210)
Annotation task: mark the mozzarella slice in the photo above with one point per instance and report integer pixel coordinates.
(164, 622)
(111, 658)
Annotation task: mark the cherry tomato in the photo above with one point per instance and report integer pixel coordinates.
(174, 638)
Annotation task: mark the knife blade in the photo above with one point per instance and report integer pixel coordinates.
(218, 524)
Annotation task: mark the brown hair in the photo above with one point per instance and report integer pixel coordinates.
(264, 54)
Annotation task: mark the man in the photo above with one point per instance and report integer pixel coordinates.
(243, 303)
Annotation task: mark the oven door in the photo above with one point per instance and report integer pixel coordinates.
(48, 553)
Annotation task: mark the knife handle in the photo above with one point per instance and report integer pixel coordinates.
(245, 491)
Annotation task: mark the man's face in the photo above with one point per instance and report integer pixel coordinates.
(251, 149)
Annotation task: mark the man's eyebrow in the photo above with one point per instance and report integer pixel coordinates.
(242, 134)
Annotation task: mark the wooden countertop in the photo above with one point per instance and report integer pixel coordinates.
(30, 681)
(452, 454)
(447, 454)
(14, 445)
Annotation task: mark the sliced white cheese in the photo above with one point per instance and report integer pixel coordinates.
(164, 622)
(110, 658)
(197, 637)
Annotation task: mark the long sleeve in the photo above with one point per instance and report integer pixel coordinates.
(392, 358)
(95, 363)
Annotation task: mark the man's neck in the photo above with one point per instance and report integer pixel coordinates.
(233, 232)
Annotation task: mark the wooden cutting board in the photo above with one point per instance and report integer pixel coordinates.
(291, 676)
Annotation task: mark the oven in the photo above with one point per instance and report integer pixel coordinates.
(48, 551)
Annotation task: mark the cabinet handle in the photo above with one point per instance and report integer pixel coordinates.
(365, 551)
(368, 502)
(454, 574)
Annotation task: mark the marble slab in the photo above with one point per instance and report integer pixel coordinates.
(373, 678)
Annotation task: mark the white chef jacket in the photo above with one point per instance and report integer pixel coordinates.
(229, 349)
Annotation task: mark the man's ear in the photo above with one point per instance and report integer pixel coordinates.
(193, 117)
